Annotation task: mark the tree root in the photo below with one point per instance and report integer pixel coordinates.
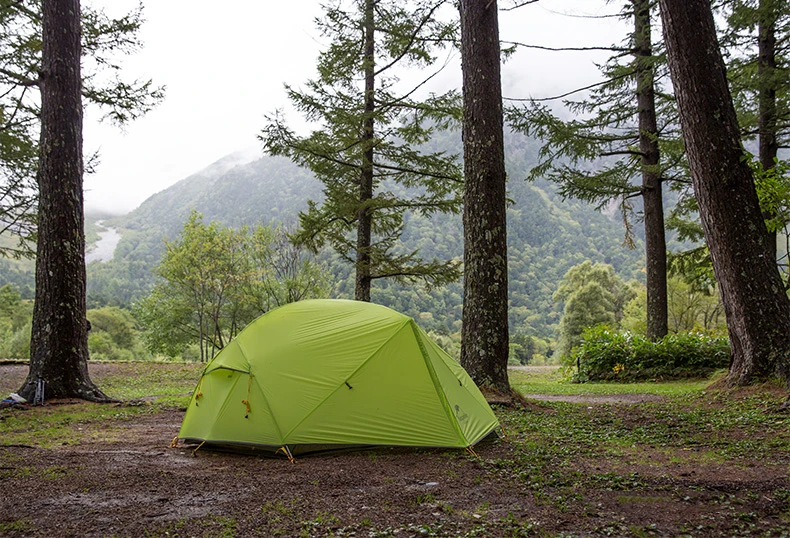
(511, 398)
(93, 394)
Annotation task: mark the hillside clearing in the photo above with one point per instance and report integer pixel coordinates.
(681, 460)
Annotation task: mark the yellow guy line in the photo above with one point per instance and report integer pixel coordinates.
(287, 453)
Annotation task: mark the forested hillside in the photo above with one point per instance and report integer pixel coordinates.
(546, 236)
(19, 273)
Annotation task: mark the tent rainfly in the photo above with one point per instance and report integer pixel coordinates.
(325, 373)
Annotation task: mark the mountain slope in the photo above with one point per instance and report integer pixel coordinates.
(546, 236)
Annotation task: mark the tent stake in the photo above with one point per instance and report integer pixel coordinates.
(287, 453)
(198, 448)
(472, 452)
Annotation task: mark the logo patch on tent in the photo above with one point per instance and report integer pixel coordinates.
(460, 415)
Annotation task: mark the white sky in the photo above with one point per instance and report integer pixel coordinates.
(224, 65)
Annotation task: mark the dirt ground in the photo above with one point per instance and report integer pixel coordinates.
(137, 486)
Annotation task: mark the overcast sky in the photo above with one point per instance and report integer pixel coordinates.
(224, 65)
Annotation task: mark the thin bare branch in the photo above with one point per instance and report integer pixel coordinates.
(566, 94)
(517, 5)
(567, 49)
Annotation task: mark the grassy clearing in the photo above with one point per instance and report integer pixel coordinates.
(71, 424)
(160, 381)
(681, 451)
(145, 388)
(551, 380)
(693, 426)
(698, 427)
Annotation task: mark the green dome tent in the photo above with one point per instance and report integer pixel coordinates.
(330, 374)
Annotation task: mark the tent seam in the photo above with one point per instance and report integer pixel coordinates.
(436, 385)
(226, 368)
(479, 405)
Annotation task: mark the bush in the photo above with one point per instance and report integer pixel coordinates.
(191, 353)
(610, 355)
(15, 344)
(113, 336)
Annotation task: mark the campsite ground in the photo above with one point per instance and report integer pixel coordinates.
(658, 459)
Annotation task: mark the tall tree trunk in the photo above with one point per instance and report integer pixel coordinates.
(484, 346)
(655, 241)
(364, 217)
(756, 308)
(59, 343)
(766, 73)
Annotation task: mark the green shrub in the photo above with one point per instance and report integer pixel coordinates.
(113, 336)
(15, 344)
(114, 323)
(610, 355)
(191, 353)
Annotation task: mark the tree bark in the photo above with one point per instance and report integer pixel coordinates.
(655, 240)
(755, 305)
(59, 343)
(484, 345)
(766, 72)
(364, 217)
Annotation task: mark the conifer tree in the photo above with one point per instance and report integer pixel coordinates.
(613, 150)
(59, 344)
(757, 51)
(754, 41)
(103, 41)
(756, 308)
(485, 337)
(53, 61)
(367, 145)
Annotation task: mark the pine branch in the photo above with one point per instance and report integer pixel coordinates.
(19, 79)
(19, 6)
(635, 194)
(408, 47)
(19, 106)
(407, 95)
(623, 152)
(608, 138)
(323, 156)
(417, 172)
(676, 179)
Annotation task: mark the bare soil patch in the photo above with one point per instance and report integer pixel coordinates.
(136, 486)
